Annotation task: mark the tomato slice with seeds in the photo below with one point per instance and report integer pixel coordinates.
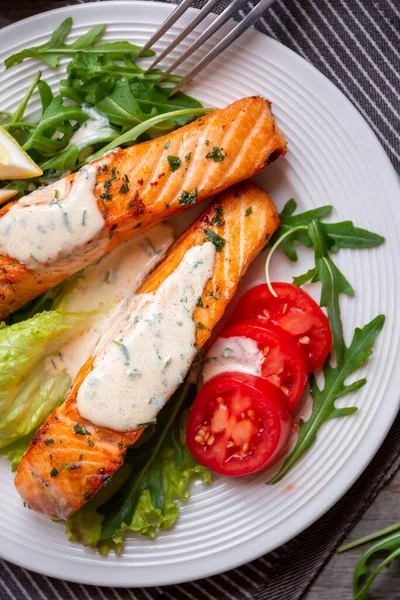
(293, 310)
(238, 424)
(282, 360)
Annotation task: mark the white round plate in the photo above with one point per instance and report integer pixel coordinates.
(333, 158)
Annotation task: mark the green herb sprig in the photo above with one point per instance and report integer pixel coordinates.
(387, 542)
(327, 238)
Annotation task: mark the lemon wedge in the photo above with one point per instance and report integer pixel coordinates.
(14, 161)
(6, 195)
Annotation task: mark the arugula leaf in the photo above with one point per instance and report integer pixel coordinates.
(133, 134)
(300, 280)
(17, 118)
(362, 580)
(338, 235)
(153, 97)
(334, 388)
(345, 235)
(56, 118)
(388, 541)
(333, 283)
(52, 51)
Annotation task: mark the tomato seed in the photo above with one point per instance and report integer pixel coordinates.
(304, 340)
(251, 414)
(199, 439)
(266, 350)
(229, 445)
(284, 389)
(284, 309)
(266, 313)
(245, 447)
(210, 440)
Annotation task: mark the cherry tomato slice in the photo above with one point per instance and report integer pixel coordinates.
(238, 424)
(293, 310)
(280, 357)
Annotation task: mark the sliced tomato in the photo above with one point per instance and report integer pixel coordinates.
(283, 362)
(238, 424)
(293, 310)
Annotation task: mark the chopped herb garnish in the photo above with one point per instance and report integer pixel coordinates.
(106, 196)
(80, 430)
(56, 194)
(87, 496)
(4, 270)
(54, 472)
(65, 466)
(137, 226)
(216, 154)
(74, 467)
(199, 303)
(80, 457)
(201, 325)
(66, 222)
(83, 220)
(188, 157)
(174, 162)
(188, 197)
(104, 168)
(48, 441)
(217, 218)
(248, 212)
(124, 189)
(213, 237)
(148, 423)
(207, 142)
(167, 144)
(90, 443)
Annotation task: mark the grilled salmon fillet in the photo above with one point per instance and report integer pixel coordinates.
(94, 453)
(137, 187)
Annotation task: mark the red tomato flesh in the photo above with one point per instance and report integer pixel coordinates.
(284, 364)
(238, 424)
(293, 310)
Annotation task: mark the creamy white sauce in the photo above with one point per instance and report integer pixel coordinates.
(95, 128)
(107, 286)
(233, 354)
(52, 222)
(145, 358)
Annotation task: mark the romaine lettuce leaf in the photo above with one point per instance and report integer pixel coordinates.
(27, 392)
(143, 496)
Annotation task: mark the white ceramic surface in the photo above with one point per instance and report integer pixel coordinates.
(333, 158)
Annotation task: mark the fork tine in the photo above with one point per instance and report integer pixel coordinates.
(211, 29)
(247, 22)
(174, 16)
(207, 8)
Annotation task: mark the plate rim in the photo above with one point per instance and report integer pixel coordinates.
(111, 576)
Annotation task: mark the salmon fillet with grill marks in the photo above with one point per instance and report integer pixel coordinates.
(245, 130)
(97, 452)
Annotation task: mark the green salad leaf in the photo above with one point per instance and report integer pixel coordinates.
(90, 43)
(327, 238)
(334, 388)
(388, 544)
(28, 394)
(143, 498)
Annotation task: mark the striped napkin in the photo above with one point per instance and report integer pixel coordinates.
(356, 44)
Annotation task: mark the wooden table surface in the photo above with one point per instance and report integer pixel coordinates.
(335, 580)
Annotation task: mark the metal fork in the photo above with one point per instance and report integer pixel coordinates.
(220, 20)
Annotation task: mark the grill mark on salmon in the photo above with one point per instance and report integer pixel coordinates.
(248, 134)
(97, 452)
